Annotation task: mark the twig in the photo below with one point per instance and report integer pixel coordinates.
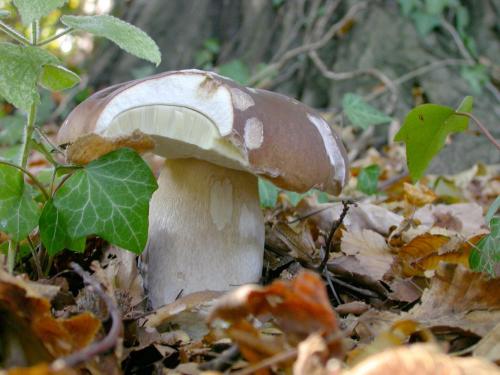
(328, 278)
(109, 341)
(481, 127)
(56, 36)
(36, 259)
(364, 292)
(349, 75)
(30, 175)
(458, 40)
(335, 226)
(305, 48)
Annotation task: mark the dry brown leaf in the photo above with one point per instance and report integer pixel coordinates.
(300, 307)
(404, 290)
(360, 216)
(489, 346)
(60, 336)
(189, 313)
(464, 218)
(354, 307)
(40, 369)
(421, 359)
(459, 298)
(370, 249)
(311, 358)
(426, 251)
(418, 195)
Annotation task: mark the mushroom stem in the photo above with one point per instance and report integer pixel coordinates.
(206, 230)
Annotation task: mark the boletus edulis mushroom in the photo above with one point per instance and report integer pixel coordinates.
(206, 228)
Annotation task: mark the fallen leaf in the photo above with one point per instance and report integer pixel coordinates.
(40, 369)
(311, 357)
(421, 359)
(461, 299)
(370, 249)
(489, 346)
(418, 195)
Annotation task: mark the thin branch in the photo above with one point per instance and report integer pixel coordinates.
(14, 34)
(481, 127)
(335, 226)
(109, 341)
(458, 40)
(305, 48)
(35, 180)
(55, 37)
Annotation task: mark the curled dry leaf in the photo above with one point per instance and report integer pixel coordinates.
(459, 298)
(426, 251)
(299, 307)
(421, 359)
(31, 314)
(311, 357)
(418, 195)
(370, 249)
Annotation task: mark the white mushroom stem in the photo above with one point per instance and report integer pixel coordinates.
(206, 230)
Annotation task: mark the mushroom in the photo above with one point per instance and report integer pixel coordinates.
(206, 229)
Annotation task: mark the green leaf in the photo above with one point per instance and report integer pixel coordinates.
(126, 36)
(362, 114)
(58, 78)
(33, 10)
(487, 254)
(425, 23)
(268, 193)
(495, 206)
(109, 198)
(425, 130)
(11, 130)
(20, 68)
(18, 211)
(236, 70)
(368, 179)
(407, 6)
(54, 232)
(476, 76)
(4, 13)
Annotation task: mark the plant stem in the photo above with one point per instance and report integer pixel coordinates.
(481, 127)
(34, 32)
(11, 256)
(28, 133)
(35, 180)
(55, 37)
(13, 33)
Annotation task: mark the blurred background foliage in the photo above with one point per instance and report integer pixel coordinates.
(363, 63)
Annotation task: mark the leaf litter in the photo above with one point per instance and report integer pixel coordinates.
(397, 294)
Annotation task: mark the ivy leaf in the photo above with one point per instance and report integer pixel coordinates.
(109, 198)
(126, 36)
(495, 206)
(487, 255)
(425, 130)
(236, 70)
(54, 232)
(19, 71)
(368, 179)
(33, 10)
(18, 211)
(58, 78)
(268, 193)
(361, 113)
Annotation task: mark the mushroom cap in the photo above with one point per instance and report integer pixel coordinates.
(265, 133)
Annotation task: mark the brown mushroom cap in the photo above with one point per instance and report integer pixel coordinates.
(279, 138)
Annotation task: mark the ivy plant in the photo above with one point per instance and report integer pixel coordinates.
(108, 197)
